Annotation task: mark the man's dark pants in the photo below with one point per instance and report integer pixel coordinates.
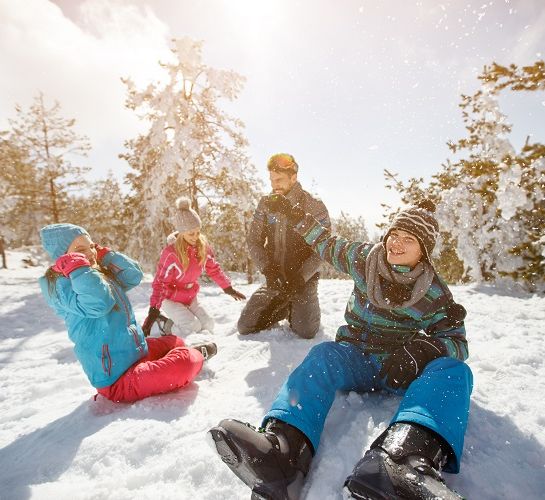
(267, 306)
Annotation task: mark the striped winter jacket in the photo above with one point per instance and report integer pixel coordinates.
(377, 330)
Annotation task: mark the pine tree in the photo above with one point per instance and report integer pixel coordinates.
(470, 208)
(525, 78)
(50, 142)
(19, 195)
(465, 194)
(523, 193)
(490, 204)
(191, 148)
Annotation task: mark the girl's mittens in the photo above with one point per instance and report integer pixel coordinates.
(171, 238)
(101, 251)
(69, 262)
(153, 315)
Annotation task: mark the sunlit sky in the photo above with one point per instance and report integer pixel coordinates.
(348, 87)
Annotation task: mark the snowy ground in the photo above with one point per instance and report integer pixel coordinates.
(57, 442)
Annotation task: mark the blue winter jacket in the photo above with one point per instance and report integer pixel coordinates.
(99, 317)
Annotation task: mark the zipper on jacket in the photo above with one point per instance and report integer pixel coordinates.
(131, 327)
(106, 360)
(113, 287)
(134, 333)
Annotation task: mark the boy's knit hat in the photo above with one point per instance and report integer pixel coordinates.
(186, 219)
(56, 238)
(420, 222)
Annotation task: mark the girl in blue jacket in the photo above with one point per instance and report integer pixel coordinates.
(87, 287)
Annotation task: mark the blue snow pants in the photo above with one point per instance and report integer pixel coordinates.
(438, 399)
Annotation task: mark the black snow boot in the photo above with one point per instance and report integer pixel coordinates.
(273, 461)
(404, 462)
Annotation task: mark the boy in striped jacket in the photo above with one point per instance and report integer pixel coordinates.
(405, 335)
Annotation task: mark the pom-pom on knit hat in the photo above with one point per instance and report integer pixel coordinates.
(186, 219)
(420, 222)
(56, 238)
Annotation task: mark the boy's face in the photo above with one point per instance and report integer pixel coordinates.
(402, 248)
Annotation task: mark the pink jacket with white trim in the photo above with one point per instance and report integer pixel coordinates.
(173, 283)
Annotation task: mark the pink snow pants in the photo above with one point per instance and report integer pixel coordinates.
(168, 366)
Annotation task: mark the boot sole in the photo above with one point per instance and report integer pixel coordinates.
(368, 494)
(422, 488)
(232, 457)
(256, 495)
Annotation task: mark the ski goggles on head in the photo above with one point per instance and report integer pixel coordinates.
(282, 162)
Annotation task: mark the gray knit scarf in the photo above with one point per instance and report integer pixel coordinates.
(375, 265)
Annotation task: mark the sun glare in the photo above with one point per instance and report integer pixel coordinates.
(253, 20)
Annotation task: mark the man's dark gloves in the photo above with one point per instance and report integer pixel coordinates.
(233, 293)
(407, 362)
(153, 314)
(278, 203)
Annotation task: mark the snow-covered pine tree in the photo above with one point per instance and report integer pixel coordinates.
(191, 148)
(522, 189)
(531, 216)
(50, 143)
(490, 205)
(470, 208)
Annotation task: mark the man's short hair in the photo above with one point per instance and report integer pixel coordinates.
(282, 162)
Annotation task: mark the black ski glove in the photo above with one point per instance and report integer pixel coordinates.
(278, 203)
(407, 362)
(153, 314)
(233, 293)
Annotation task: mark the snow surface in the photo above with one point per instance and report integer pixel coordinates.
(57, 442)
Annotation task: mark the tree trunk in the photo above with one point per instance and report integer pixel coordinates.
(249, 261)
(53, 195)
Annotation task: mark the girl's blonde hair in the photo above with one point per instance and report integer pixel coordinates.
(180, 245)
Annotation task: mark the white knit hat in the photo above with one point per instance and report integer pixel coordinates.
(186, 219)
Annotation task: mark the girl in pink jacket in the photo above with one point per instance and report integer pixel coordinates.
(175, 285)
